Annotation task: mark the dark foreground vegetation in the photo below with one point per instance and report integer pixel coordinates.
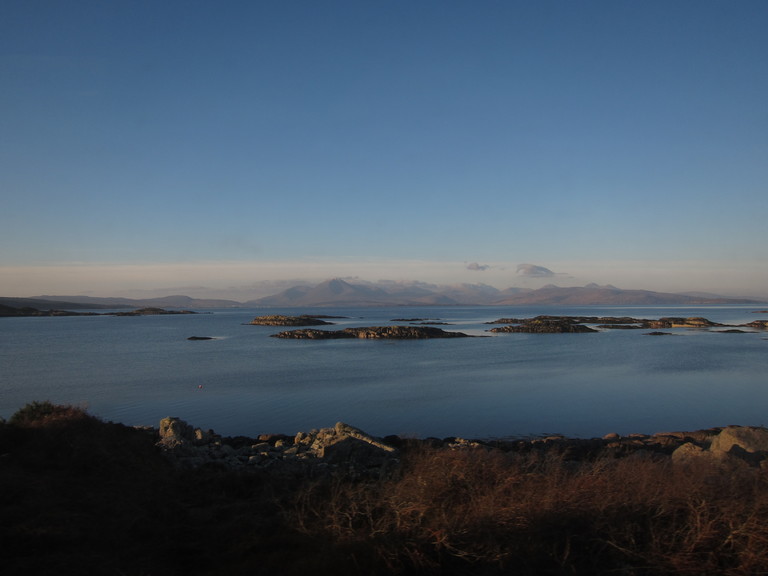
(83, 496)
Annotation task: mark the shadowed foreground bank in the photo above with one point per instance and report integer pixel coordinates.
(89, 497)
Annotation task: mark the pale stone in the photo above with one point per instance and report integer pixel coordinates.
(176, 428)
(686, 452)
(738, 440)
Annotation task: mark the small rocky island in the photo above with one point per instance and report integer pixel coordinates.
(150, 312)
(280, 320)
(579, 324)
(542, 325)
(372, 332)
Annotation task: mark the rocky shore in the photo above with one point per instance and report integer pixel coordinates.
(348, 449)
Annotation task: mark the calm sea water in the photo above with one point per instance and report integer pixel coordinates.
(137, 370)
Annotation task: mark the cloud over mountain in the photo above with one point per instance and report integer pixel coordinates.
(534, 271)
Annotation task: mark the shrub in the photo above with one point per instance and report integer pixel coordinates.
(478, 511)
(37, 414)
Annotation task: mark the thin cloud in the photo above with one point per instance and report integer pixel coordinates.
(477, 267)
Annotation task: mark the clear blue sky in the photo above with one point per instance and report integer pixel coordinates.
(166, 144)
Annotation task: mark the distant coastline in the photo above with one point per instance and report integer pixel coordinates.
(338, 292)
(27, 311)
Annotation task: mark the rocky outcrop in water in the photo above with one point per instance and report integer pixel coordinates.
(280, 320)
(546, 325)
(674, 322)
(372, 332)
(151, 311)
(312, 334)
(560, 324)
(611, 320)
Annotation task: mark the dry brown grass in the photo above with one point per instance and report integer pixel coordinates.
(478, 511)
(78, 495)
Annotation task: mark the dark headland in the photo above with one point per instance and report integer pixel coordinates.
(29, 311)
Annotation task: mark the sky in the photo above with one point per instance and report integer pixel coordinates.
(148, 147)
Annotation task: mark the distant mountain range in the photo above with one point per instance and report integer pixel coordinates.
(339, 292)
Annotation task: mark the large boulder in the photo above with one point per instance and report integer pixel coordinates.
(747, 442)
(689, 452)
(175, 432)
(345, 444)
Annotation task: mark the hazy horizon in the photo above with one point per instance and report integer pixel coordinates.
(212, 282)
(187, 145)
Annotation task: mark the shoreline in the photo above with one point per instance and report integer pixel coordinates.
(346, 446)
(188, 447)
